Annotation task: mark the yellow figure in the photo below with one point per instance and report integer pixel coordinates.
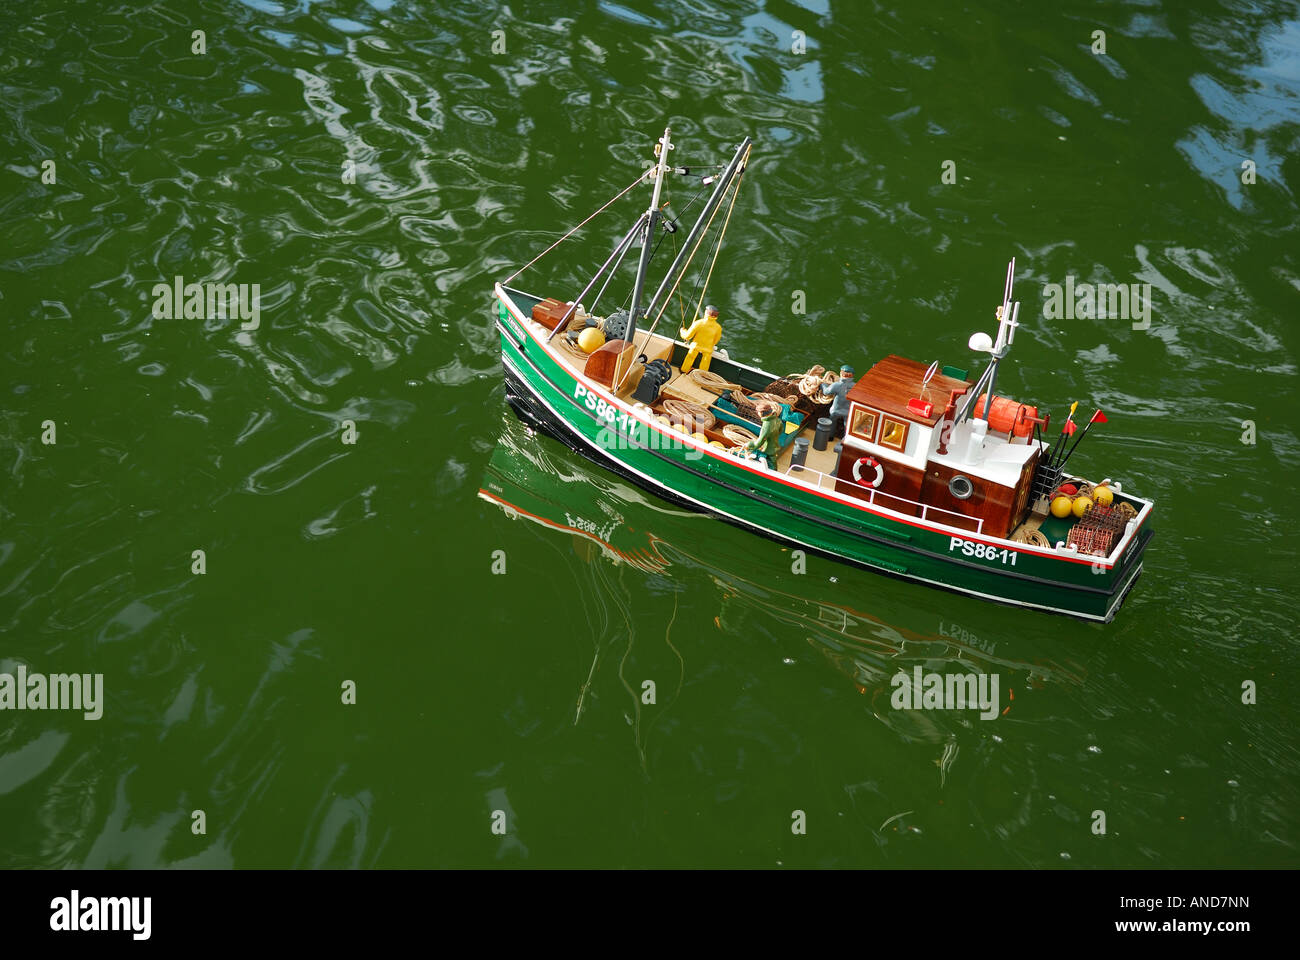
(703, 336)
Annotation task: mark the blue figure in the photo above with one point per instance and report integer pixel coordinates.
(839, 389)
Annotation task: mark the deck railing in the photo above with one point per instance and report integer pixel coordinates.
(926, 509)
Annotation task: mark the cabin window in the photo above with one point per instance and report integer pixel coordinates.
(864, 423)
(893, 434)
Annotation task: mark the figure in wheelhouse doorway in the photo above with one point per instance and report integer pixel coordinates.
(703, 336)
(839, 389)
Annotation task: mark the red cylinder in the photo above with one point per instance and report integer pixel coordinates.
(1007, 416)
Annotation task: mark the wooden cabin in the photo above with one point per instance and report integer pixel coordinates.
(959, 476)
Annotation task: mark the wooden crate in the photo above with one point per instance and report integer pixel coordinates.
(600, 365)
(550, 312)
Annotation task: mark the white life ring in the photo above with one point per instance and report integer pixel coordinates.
(873, 464)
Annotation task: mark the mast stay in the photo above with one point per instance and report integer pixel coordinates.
(652, 216)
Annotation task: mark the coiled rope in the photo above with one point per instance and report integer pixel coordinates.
(693, 415)
(1035, 538)
(738, 436)
(711, 381)
(750, 405)
(810, 384)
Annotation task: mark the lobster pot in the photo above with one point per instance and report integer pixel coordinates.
(744, 406)
(785, 387)
(1096, 533)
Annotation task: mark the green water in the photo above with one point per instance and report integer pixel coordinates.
(520, 692)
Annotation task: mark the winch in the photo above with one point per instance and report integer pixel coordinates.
(657, 373)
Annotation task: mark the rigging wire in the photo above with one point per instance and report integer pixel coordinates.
(593, 216)
(718, 249)
(645, 342)
(608, 278)
(676, 219)
(681, 304)
(735, 188)
(699, 275)
(689, 203)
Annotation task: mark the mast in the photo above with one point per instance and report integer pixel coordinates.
(651, 219)
(1003, 342)
(1000, 350)
(724, 180)
(719, 190)
(1008, 321)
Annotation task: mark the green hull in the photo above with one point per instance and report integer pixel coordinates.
(591, 421)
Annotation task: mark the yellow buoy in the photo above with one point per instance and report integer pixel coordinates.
(697, 435)
(1103, 495)
(681, 427)
(1081, 506)
(718, 443)
(661, 418)
(591, 340)
(1061, 507)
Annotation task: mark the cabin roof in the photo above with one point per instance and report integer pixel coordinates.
(894, 380)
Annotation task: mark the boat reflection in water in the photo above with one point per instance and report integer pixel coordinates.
(614, 523)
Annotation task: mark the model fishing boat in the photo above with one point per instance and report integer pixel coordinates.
(914, 469)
